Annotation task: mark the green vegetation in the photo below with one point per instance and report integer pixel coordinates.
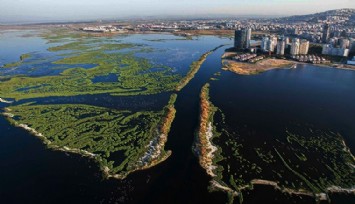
(328, 151)
(69, 46)
(133, 79)
(121, 141)
(309, 162)
(194, 67)
(306, 162)
(18, 63)
(25, 56)
(117, 138)
(59, 35)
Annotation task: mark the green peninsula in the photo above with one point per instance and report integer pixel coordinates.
(121, 141)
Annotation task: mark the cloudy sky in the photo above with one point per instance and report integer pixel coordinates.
(101, 9)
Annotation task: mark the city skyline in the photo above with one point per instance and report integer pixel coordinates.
(50, 10)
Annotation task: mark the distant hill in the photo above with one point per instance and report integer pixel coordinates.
(344, 16)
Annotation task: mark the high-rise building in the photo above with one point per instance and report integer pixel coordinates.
(238, 39)
(248, 36)
(295, 46)
(264, 43)
(326, 32)
(330, 50)
(270, 45)
(274, 40)
(242, 38)
(352, 46)
(304, 47)
(344, 43)
(281, 44)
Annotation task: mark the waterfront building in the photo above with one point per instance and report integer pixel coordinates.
(330, 50)
(274, 40)
(326, 32)
(281, 47)
(270, 45)
(238, 34)
(264, 43)
(248, 37)
(242, 38)
(351, 62)
(304, 47)
(295, 46)
(352, 47)
(344, 43)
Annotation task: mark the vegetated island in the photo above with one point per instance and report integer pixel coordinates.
(121, 141)
(309, 162)
(207, 152)
(194, 67)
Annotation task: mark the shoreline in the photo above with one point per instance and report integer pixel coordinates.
(244, 68)
(203, 146)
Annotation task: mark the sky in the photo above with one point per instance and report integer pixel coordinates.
(22, 10)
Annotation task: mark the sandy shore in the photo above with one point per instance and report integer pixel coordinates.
(244, 68)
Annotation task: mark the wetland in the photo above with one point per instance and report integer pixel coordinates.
(153, 118)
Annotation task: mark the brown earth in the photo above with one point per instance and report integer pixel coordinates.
(244, 68)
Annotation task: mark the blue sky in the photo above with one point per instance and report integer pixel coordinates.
(101, 9)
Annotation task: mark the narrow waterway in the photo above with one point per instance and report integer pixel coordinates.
(181, 179)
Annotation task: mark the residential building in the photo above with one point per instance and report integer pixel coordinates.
(326, 32)
(248, 37)
(241, 39)
(295, 46)
(344, 43)
(330, 50)
(304, 47)
(264, 43)
(281, 47)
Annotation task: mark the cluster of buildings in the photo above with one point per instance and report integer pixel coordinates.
(338, 45)
(299, 47)
(271, 44)
(295, 47)
(245, 57)
(242, 38)
(248, 57)
(101, 29)
(314, 59)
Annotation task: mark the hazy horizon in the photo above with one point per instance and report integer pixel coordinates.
(80, 10)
